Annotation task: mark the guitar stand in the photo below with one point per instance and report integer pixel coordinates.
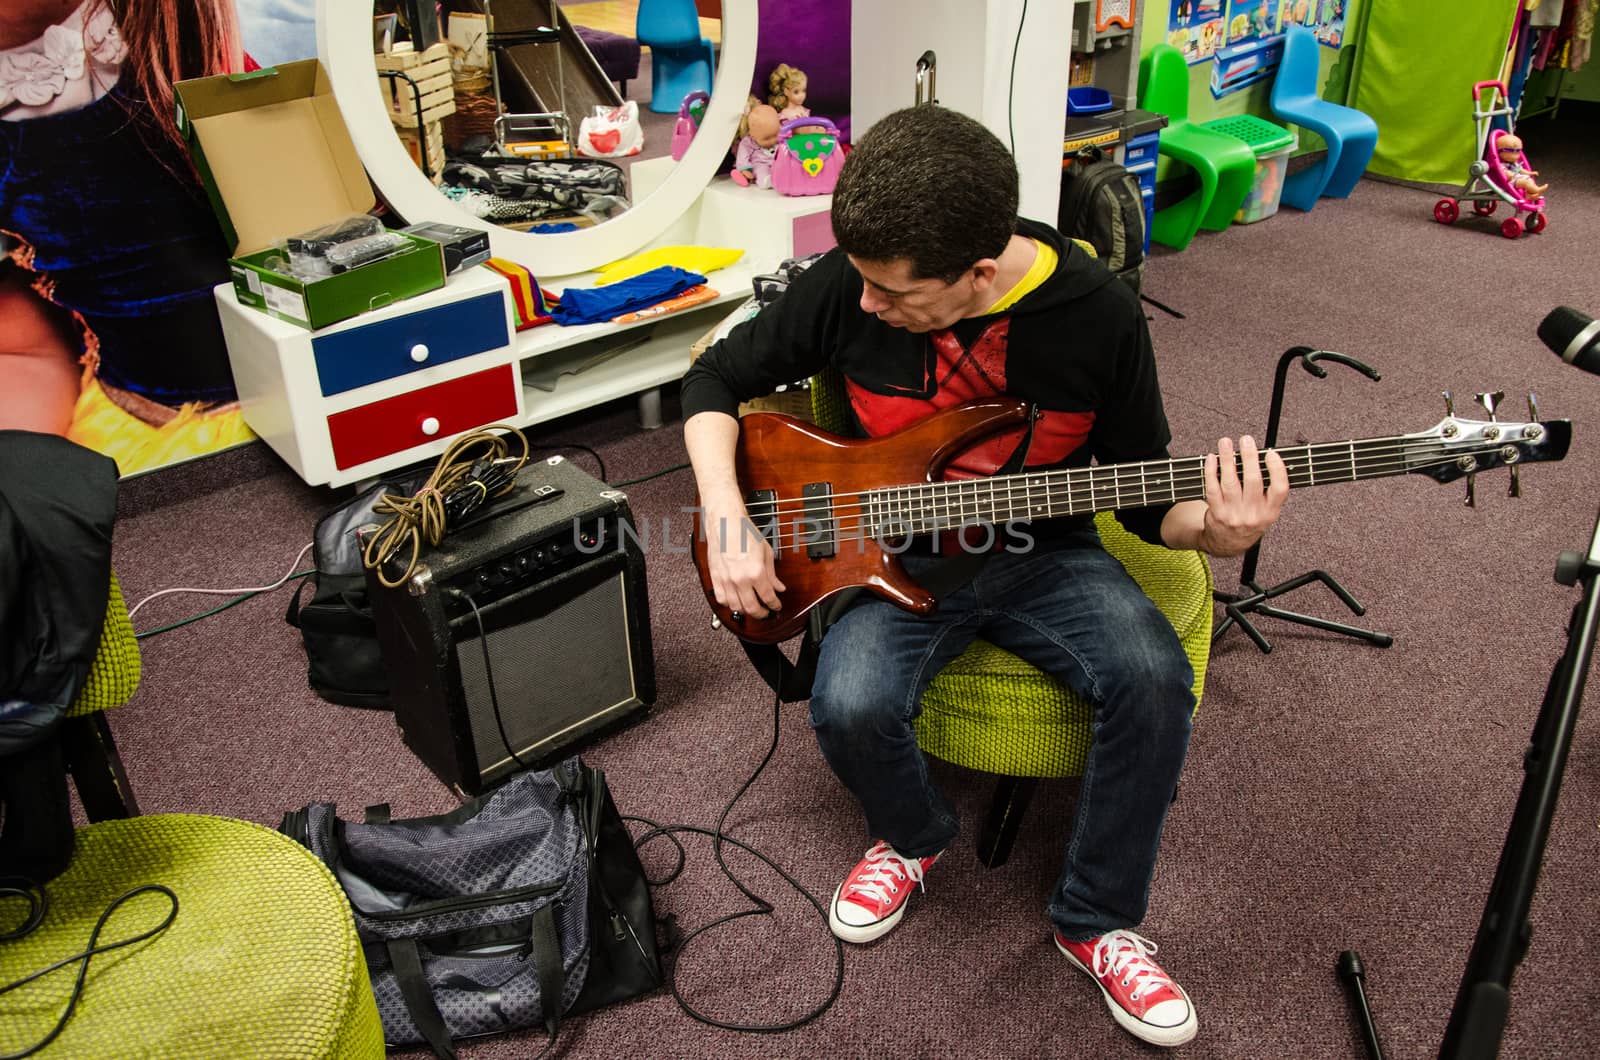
(1251, 597)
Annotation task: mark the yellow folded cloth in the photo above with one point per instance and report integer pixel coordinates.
(695, 259)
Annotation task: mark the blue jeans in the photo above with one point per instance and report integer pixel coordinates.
(1073, 612)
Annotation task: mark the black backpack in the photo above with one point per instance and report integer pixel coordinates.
(344, 661)
(1101, 205)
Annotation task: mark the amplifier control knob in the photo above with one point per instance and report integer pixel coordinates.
(430, 426)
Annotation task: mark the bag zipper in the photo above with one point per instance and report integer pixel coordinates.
(452, 905)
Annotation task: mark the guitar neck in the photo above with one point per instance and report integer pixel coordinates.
(1027, 496)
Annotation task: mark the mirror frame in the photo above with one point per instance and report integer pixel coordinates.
(344, 44)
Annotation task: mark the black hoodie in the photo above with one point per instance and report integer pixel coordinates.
(1076, 345)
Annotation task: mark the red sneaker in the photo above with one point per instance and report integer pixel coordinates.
(872, 899)
(1142, 997)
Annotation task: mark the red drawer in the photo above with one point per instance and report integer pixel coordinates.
(397, 423)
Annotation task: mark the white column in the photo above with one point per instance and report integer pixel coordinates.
(1023, 103)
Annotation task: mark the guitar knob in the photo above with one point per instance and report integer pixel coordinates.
(1472, 491)
(1515, 489)
(737, 616)
(1533, 406)
(1449, 403)
(1491, 401)
(716, 623)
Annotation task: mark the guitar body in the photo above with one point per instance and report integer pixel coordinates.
(782, 461)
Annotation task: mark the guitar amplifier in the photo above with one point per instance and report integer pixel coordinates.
(524, 634)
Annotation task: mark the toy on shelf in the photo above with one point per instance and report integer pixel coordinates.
(758, 148)
(1500, 173)
(691, 112)
(786, 91)
(809, 157)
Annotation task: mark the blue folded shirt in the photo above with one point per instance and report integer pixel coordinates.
(595, 305)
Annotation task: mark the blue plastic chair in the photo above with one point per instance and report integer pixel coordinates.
(1225, 165)
(1351, 135)
(681, 60)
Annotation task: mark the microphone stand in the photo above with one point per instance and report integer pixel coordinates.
(1483, 1001)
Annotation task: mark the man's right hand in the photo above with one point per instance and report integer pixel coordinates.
(740, 562)
(738, 558)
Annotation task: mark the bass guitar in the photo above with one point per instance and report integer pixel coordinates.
(836, 510)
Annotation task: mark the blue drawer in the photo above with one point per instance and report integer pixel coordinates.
(1145, 174)
(374, 352)
(1141, 149)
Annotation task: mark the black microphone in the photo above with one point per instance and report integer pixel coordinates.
(1574, 336)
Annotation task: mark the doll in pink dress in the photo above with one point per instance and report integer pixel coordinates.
(758, 147)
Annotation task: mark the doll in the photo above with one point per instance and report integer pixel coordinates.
(1519, 176)
(752, 163)
(786, 91)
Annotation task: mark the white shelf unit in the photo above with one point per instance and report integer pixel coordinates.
(334, 434)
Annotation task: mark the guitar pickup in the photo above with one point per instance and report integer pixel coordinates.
(816, 520)
(762, 507)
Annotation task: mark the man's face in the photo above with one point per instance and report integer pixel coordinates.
(889, 292)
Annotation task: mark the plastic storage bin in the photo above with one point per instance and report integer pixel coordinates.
(1273, 146)
(1086, 99)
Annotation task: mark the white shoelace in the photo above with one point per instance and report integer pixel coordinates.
(883, 879)
(1127, 956)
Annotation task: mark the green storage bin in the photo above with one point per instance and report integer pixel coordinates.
(1273, 146)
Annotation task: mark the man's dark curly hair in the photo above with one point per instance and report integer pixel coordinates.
(929, 185)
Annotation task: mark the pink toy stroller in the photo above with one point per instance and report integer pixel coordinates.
(1489, 179)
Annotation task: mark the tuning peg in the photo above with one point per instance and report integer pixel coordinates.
(1491, 401)
(1515, 489)
(1472, 491)
(1533, 407)
(1449, 403)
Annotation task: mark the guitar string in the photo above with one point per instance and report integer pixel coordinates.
(1186, 470)
(851, 527)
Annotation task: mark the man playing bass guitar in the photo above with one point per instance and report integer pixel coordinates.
(938, 294)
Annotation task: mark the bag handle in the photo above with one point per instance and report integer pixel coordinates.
(418, 997)
(691, 98)
(292, 615)
(788, 127)
(544, 949)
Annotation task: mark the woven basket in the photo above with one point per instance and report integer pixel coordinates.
(474, 116)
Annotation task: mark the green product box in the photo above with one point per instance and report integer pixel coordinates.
(272, 149)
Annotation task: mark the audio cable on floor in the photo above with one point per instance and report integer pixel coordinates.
(761, 907)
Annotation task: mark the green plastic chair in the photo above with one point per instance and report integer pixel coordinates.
(1225, 165)
(262, 958)
(989, 710)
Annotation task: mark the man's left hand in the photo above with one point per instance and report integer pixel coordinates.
(1240, 506)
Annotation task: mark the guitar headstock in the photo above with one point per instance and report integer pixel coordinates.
(1462, 447)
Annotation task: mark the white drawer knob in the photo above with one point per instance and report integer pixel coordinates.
(430, 426)
(419, 353)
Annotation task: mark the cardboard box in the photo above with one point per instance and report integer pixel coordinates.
(463, 247)
(276, 159)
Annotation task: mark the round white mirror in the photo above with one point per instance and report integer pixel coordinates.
(344, 44)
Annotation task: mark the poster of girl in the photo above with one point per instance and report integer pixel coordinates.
(108, 332)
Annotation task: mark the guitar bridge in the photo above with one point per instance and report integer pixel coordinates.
(816, 520)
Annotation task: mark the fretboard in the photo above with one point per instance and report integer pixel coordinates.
(1024, 497)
